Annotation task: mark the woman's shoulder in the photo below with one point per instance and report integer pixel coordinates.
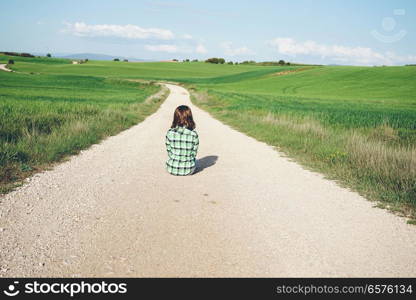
(170, 132)
(182, 130)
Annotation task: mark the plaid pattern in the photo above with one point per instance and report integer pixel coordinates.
(182, 145)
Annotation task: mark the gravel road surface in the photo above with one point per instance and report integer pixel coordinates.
(113, 210)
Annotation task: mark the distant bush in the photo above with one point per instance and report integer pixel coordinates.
(10, 62)
(125, 60)
(248, 62)
(274, 63)
(195, 60)
(116, 59)
(212, 60)
(26, 55)
(230, 63)
(174, 59)
(215, 60)
(18, 54)
(48, 55)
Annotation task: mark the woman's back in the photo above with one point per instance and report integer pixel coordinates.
(182, 143)
(182, 146)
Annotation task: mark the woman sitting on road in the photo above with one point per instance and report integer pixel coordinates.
(182, 143)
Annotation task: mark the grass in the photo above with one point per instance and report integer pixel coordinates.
(364, 135)
(355, 124)
(38, 60)
(235, 78)
(370, 163)
(134, 70)
(47, 117)
(374, 85)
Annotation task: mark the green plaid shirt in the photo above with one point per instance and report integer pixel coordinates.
(182, 145)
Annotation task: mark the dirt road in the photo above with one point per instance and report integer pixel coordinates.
(3, 67)
(114, 211)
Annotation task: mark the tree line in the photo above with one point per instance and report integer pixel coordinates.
(220, 60)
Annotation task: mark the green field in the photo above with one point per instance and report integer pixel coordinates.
(170, 71)
(354, 124)
(368, 84)
(45, 117)
(345, 97)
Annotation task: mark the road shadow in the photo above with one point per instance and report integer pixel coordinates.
(205, 162)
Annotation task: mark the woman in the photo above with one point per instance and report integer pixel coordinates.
(182, 143)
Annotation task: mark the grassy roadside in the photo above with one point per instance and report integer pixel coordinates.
(129, 70)
(354, 124)
(45, 118)
(377, 159)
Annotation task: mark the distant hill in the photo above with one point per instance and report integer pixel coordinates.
(96, 56)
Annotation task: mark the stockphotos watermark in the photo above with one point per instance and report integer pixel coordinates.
(389, 33)
(63, 288)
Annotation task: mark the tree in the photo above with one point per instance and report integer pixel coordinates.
(116, 59)
(10, 62)
(215, 60)
(281, 62)
(195, 60)
(212, 60)
(48, 55)
(230, 63)
(248, 62)
(125, 60)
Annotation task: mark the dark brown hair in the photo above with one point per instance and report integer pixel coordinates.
(183, 118)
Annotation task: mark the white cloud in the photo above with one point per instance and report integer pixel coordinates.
(187, 36)
(338, 53)
(162, 48)
(184, 43)
(171, 48)
(400, 59)
(122, 31)
(201, 49)
(231, 51)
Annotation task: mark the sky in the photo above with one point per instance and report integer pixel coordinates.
(355, 32)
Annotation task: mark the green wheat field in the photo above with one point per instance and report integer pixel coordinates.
(354, 124)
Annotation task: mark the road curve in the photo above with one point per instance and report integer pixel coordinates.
(113, 211)
(3, 67)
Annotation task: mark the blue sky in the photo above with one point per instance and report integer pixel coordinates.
(366, 32)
